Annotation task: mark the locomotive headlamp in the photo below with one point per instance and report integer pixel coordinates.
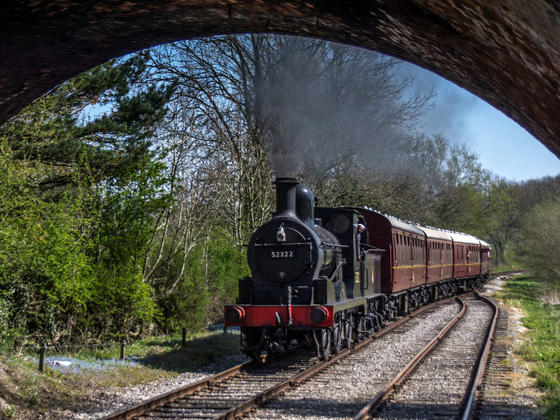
(319, 314)
(281, 234)
(235, 314)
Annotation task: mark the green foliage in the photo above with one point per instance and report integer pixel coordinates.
(44, 267)
(208, 281)
(80, 187)
(542, 345)
(538, 247)
(9, 412)
(227, 264)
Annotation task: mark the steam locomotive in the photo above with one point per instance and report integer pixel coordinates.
(317, 280)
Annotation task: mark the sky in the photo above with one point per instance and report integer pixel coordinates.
(503, 146)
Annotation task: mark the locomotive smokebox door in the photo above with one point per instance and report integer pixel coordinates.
(284, 262)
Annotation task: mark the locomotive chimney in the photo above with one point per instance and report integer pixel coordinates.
(286, 196)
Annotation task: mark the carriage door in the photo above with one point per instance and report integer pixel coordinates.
(469, 255)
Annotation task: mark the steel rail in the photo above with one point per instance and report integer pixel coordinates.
(476, 377)
(272, 392)
(152, 403)
(370, 407)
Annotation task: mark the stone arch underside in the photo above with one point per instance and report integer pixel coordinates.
(507, 52)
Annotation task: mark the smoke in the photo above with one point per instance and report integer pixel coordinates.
(451, 105)
(325, 103)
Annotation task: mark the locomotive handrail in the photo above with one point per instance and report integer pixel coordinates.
(284, 244)
(372, 248)
(335, 272)
(331, 245)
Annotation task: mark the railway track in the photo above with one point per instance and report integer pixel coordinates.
(446, 382)
(240, 389)
(216, 394)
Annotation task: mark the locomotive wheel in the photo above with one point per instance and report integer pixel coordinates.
(325, 343)
(336, 338)
(322, 339)
(361, 335)
(348, 328)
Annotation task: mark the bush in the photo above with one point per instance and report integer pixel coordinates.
(541, 347)
(538, 248)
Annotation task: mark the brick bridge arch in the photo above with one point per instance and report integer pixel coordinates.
(507, 52)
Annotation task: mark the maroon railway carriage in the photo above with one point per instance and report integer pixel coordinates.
(484, 257)
(466, 255)
(403, 264)
(422, 263)
(440, 255)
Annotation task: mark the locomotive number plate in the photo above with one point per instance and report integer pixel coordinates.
(282, 254)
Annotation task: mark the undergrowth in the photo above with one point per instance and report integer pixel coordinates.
(542, 345)
(26, 393)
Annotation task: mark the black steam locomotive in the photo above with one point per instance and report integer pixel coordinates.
(316, 279)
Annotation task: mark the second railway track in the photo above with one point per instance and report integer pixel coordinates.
(341, 390)
(445, 383)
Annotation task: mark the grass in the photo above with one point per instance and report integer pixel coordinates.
(542, 346)
(26, 393)
(166, 353)
(503, 269)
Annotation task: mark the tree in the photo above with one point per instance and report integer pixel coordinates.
(87, 180)
(538, 241)
(215, 112)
